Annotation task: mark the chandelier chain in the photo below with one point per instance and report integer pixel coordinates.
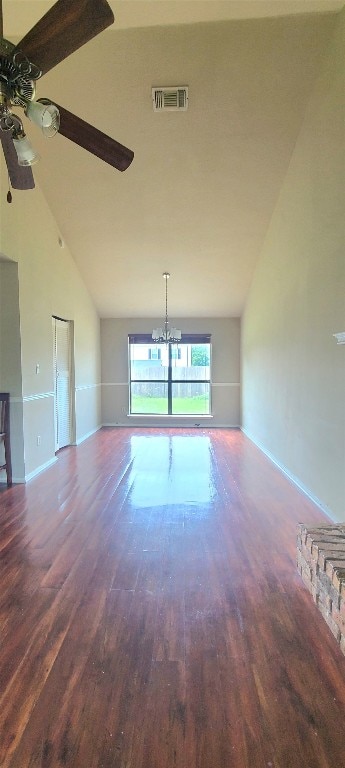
(166, 299)
(166, 335)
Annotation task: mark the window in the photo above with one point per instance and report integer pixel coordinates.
(154, 353)
(170, 379)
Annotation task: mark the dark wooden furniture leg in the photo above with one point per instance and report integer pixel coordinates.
(5, 434)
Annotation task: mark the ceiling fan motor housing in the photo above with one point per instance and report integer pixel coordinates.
(17, 74)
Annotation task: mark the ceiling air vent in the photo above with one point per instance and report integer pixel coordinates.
(170, 99)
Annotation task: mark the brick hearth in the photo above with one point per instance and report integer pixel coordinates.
(321, 563)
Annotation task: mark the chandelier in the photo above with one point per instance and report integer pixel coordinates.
(166, 334)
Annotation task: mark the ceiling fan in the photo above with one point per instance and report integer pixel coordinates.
(67, 26)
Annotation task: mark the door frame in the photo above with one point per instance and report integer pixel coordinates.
(71, 381)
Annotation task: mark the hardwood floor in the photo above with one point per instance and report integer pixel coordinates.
(152, 615)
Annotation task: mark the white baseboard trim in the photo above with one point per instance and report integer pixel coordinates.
(88, 434)
(17, 480)
(37, 471)
(295, 480)
(166, 424)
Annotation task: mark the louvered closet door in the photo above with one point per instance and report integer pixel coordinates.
(62, 371)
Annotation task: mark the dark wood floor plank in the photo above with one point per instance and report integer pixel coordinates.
(152, 616)
(170, 634)
(126, 688)
(165, 722)
(53, 729)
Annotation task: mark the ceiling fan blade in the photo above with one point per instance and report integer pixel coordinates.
(21, 177)
(63, 29)
(94, 141)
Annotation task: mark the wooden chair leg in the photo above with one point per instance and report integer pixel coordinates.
(5, 433)
(8, 460)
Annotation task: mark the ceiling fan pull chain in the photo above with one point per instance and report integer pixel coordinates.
(9, 193)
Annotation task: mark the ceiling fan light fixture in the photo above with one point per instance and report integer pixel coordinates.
(26, 154)
(63, 29)
(45, 115)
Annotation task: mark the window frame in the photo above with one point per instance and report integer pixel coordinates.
(190, 339)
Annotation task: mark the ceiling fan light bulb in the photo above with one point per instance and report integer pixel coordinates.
(45, 115)
(25, 153)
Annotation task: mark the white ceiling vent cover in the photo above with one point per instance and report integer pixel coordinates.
(170, 99)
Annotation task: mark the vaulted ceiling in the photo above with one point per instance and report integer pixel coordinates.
(199, 195)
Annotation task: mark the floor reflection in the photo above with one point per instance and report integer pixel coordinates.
(171, 470)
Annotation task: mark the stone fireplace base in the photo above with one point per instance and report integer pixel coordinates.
(321, 563)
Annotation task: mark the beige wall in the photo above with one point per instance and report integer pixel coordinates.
(10, 359)
(225, 369)
(293, 371)
(49, 284)
(10, 353)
